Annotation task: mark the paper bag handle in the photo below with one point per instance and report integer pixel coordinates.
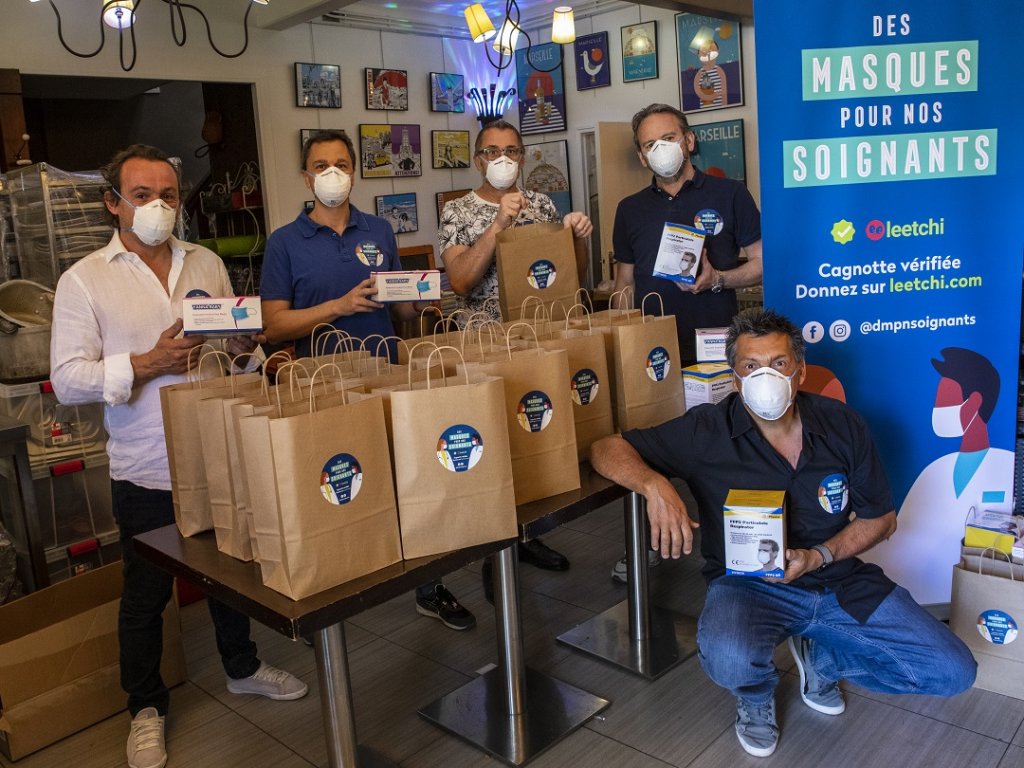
(312, 383)
(215, 353)
(527, 300)
(551, 309)
(437, 351)
(315, 346)
(265, 382)
(583, 293)
(508, 337)
(586, 314)
(193, 375)
(489, 324)
(643, 305)
(995, 552)
(285, 372)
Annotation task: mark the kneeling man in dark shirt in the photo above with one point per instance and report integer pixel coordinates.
(842, 618)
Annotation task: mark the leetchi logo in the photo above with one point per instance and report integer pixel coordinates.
(875, 229)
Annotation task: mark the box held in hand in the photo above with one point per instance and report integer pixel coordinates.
(755, 533)
(679, 253)
(707, 383)
(222, 317)
(418, 285)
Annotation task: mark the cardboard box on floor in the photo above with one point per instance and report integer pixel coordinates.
(59, 660)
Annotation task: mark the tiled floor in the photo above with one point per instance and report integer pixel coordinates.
(401, 661)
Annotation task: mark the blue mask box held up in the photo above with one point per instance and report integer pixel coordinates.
(418, 285)
(227, 316)
(755, 533)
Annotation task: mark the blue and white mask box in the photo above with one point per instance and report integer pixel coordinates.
(755, 533)
(679, 253)
(707, 383)
(222, 317)
(711, 344)
(419, 285)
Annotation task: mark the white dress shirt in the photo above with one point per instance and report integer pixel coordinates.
(108, 307)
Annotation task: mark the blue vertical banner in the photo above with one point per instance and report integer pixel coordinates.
(891, 138)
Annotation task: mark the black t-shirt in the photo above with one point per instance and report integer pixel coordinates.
(718, 447)
(729, 216)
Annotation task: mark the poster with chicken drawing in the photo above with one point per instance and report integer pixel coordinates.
(593, 70)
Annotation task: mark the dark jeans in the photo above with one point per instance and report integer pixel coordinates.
(145, 594)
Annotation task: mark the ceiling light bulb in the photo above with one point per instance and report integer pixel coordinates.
(563, 27)
(119, 14)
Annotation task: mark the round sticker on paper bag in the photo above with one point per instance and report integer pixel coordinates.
(534, 411)
(997, 627)
(584, 386)
(542, 274)
(459, 448)
(341, 479)
(658, 364)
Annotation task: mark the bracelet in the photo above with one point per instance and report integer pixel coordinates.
(719, 284)
(827, 558)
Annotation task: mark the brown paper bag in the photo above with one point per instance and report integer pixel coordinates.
(538, 409)
(987, 612)
(325, 508)
(453, 468)
(535, 260)
(589, 385)
(648, 376)
(189, 486)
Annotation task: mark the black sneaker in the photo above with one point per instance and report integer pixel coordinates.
(443, 606)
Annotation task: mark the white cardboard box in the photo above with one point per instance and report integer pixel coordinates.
(706, 383)
(222, 317)
(711, 345)
(419, 285)
(679, 253)
(755, 521)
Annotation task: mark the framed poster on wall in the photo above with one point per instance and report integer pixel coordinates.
(541, 93)
(640, 52)
(387, 89)
(386, 151)
(720, 149)
(449, 149)
(447, 92)
(317, 85)
(710, 62)
(399, 210)
(546, 169)
(593, 69)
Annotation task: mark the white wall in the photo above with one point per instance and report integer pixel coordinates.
(28, 42)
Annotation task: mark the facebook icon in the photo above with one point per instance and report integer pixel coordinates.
(813, 332)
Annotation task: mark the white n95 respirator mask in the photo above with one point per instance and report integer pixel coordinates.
(153, 222)
(767, 392)
(502, 172)
(332, 186)
(666, 158)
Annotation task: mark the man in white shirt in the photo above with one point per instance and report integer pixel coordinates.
(116, 339)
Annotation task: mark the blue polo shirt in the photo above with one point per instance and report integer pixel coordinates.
(307, 264)
(730, 219)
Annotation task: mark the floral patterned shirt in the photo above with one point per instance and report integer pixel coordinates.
(464, 220)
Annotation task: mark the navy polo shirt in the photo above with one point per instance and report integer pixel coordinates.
(730, 219)
(307, 264)
(718, 447)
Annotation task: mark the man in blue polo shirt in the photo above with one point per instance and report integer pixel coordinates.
(318, 270)
(681, 194)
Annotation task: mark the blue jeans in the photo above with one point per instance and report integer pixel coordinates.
(900, 649)
(144, 596)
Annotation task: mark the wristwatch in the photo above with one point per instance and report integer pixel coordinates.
(827, 558)
(719, 284)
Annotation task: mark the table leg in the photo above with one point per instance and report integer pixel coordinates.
(513, 713)
(336, 703)
(644, 639)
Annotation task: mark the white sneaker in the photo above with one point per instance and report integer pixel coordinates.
(621, 568)
(271, 682)
(146, 741)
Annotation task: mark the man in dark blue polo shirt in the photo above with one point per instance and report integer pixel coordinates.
(317, 270)
(842, 618)
(681, 194)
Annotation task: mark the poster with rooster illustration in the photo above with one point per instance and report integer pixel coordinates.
(593, 70)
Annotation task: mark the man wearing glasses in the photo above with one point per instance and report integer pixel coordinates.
(466, 241)
(470, 225)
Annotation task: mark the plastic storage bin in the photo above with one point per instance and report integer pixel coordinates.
(56, 431)
(73, 500)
